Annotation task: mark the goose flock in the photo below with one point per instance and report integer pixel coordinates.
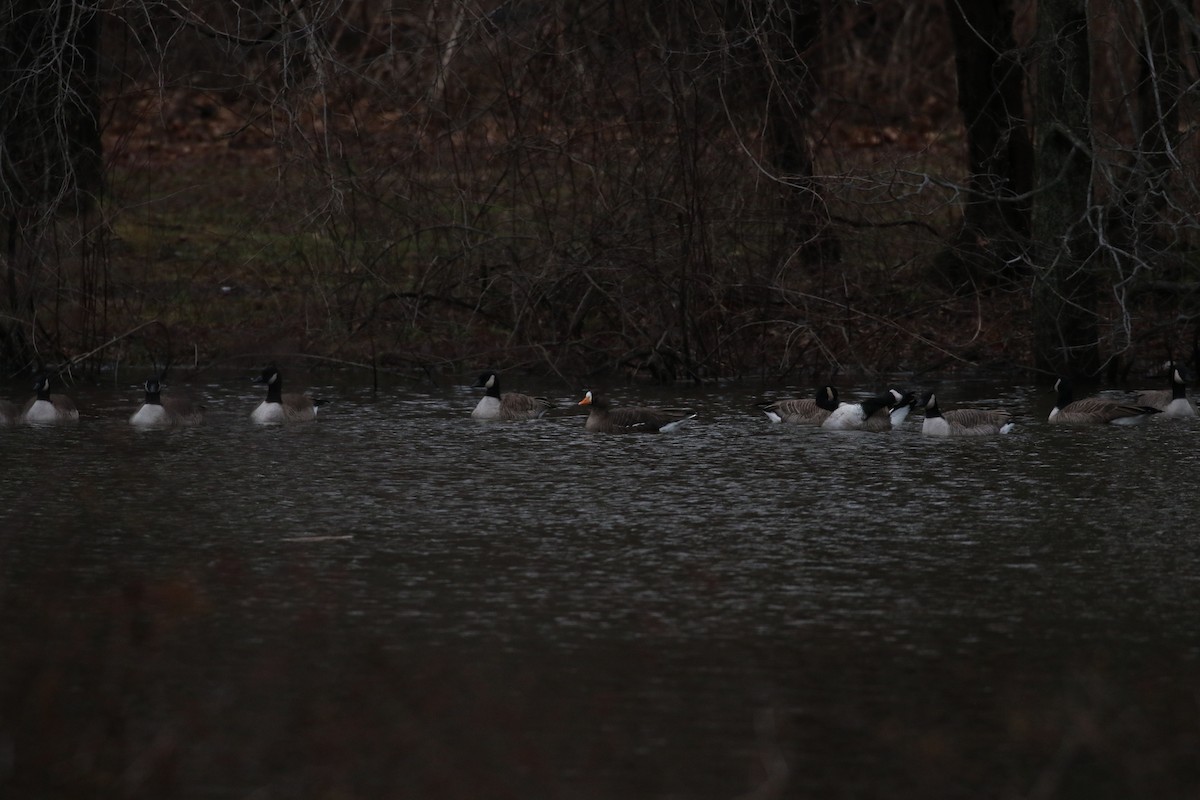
(881, 412)
(878, 413)
(156, 411)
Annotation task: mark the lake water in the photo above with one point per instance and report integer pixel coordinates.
(399, 602)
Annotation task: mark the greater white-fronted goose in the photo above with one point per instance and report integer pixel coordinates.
(603, 418)
(506, 406)
(280, 407)
(963, 421)
(159, 412)
(48, 409)
(803, 410)
(1095, 410)
(1172, 402)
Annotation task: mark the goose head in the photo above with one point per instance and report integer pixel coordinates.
(269, 376)
(486, 380)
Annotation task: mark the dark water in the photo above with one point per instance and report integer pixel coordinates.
(400, 602)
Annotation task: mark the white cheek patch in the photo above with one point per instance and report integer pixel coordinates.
(491, 381)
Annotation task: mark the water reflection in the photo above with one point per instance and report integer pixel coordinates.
(400, 601)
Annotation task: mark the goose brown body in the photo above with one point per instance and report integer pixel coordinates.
(506, 406)
(157, 411)
(280, 407)
(1172, 402)
(48, 409)
(1095, 410)
(803, 410)
(963, 421)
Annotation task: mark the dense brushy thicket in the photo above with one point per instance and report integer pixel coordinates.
(700, 191)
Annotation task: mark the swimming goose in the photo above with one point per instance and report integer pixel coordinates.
(48, 409)
(507, 406)
(898, 410)
(1095, 410)
(279, 407)
(963, 421)
(605, 419)
(803, 411)
(1172, 402)
(872, 414)
(156, 412)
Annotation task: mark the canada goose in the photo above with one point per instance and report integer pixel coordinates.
(156, 412)
(507, 406)
(48, 409)
(875, 415)
(963, 421)
(1172, 402)
(279, 407)
(1095, 410)
(605, 419)
(9, 415)
(803, 411)
(898, 411)
(872, 414)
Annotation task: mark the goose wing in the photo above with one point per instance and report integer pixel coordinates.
(650, 420)
(969, 421)
(1098, 409)
(184, 410)
(517, 406)
(1155, 398)
(298, 407)
(879, 421)
(804, 411)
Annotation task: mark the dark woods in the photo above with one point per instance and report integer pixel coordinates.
(678, 191)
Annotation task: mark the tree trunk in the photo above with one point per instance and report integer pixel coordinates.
(775, 66)
(1159, 88)
(49, 144)
(991, 88)
(1064, 290)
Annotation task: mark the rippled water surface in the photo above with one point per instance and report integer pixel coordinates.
(399, 602)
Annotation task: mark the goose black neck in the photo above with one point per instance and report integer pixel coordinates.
(494, 389)
(873, 404)
(275, 391)
(1065, 394)
(153, 398)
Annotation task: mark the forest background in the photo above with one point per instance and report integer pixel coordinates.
(682, 191)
